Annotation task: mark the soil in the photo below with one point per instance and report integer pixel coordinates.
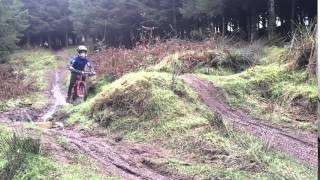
(130, 160)
(122, 159)
(113, 156)
(27, 114)
(298, 144)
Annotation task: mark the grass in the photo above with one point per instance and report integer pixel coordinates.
(275, 165)
(169, 63)
(144, 95)
(77, 115)
(21, 158)
(35, 65)
(269, 88)
(279, 165)
(204, 171)
(151, 107)
(71, 51)
(157, 107)
(131, 85)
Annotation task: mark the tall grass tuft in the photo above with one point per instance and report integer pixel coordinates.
(302, 51)
(15, 150)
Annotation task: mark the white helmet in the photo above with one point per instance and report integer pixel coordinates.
(82, 48)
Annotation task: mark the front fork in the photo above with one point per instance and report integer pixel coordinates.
(80, 88)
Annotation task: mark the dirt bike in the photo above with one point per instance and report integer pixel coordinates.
(80, 88)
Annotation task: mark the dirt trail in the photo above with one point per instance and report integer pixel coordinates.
(126, 160)
(27, 113)
(298, 144)
(58, 97)
(122, 159)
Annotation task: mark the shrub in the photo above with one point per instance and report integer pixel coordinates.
(236, 61)
(119, 61)
(189, 61)
(13, 84)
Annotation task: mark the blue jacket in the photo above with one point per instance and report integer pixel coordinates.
(79, 64)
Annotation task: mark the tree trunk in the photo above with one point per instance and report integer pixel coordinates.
(248, 26)
(105, 31)
(272, 18)
(174, 15)
(253, 25)
(49, 41)
(223, 26)
(292, 20)
(28, 40)
(317, 71)
(67, 39)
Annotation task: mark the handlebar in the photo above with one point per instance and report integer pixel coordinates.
(84, 72)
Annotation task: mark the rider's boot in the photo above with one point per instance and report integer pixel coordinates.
(68, 100)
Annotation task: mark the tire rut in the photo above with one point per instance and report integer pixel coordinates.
(122, 159)
(300, 145)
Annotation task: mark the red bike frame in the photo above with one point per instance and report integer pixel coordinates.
(80, 85)
(79, 90)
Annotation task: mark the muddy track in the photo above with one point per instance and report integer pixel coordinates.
(126, 160)
(297, 144)
(26, 114)
(121, 159)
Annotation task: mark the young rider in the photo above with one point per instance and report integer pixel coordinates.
(77, 65)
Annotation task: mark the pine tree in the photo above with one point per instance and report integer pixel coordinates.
(12, 23)
(48, 19)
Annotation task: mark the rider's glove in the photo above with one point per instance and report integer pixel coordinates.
(71, 69)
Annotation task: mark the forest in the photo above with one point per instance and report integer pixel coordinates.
(126, 22)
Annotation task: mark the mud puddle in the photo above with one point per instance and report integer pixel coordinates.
(58, 98)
